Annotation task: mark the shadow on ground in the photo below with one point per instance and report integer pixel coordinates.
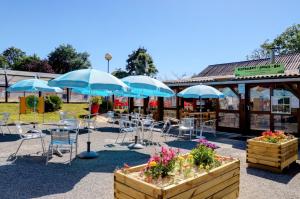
(284, 178)
(224, 138)
(29, 177)
(9, 137)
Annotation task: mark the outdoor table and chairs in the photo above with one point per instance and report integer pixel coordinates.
(62, 138)
(71, 126)
(28, 134)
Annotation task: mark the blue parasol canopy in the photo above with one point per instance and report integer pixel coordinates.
(33, 85)
(200, 91)
(148, 86)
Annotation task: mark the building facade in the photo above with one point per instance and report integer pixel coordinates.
(259, 95)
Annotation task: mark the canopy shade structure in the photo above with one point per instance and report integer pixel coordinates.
(200, 91)
(148, 86)
(91, 79)
(90, 82)
(33, 85)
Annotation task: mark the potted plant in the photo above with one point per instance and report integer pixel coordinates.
(95, 101)
(168, 174)
(272, 151)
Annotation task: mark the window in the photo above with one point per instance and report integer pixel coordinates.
(170, 102)
(260, 122)
(287, 123)
(230, 120)
(231, 100)
(281, 105)
(260, 98)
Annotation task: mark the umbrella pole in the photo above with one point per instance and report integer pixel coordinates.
(34, 110)
(88, 154)
(201, 123)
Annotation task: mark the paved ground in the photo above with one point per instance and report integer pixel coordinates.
(28, 177)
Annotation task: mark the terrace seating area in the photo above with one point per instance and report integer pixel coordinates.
(110, 135)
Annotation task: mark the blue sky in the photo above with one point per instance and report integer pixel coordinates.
(183, 37)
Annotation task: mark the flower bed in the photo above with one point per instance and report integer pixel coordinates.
(272, 151)
(200, 174)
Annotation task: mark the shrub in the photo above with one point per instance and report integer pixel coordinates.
(32, 101)
(52, 103)
(203, 156)
(96, 100)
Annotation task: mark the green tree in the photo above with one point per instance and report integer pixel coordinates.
(3, 62)
(23, 63)
(13, 56)
(119, 73)
(286, 43)
(140, 62)
(65, 58)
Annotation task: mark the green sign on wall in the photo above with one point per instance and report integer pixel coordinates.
(259, 70)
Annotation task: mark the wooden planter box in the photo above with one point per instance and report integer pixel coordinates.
(271, 156)
(221, 182)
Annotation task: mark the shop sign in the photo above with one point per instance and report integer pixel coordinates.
(259, 70)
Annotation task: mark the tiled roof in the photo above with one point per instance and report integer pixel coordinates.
(219, 72)
(290, 61)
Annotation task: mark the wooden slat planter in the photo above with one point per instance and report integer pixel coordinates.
(222, 182)
(271, 156)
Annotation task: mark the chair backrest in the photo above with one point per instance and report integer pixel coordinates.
(72, 124)
(110, 114)
(124, 117)
(60, 136)
(5, 117)
(19, 128)
(63, 115)
(167, 126)
(187, 122)
(210, 123)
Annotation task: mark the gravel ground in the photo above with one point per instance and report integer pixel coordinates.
(29, 177)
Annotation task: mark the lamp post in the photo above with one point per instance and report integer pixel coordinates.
(108, 57)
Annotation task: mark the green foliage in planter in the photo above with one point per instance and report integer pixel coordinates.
(204, 156)
(32, 101)
(96, 100)
(52, 103)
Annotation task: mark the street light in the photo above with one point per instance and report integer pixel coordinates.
(108, 57)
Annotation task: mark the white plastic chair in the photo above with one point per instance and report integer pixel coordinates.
(61, 138)
(186, 125)
(126, 127)
(30, 134)
(72, 125)
(90, 121)
(111, 117)
(208, 126)
(4, 122)
(162, 127)
(65, 115)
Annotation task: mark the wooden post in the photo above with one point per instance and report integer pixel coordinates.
(160, 107)
(131, 104)
(271, 115)
(68, 95)
(177, 104)
(6, 86)
(145, 106)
